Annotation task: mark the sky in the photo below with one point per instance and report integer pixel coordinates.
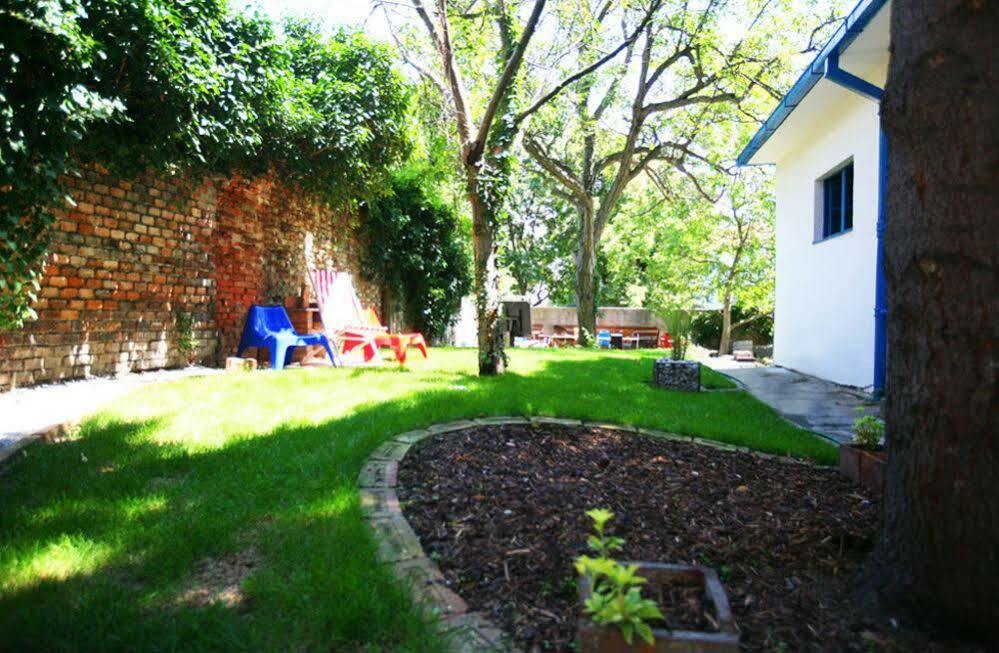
(332, 13)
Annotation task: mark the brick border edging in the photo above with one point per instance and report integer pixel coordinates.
(399, 546)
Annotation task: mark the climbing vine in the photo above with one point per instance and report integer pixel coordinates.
(175, 85)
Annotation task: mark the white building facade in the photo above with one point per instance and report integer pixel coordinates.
(825, 141)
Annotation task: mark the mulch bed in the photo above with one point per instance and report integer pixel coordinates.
(501, 508)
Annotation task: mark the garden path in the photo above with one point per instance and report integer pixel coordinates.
(824, 407)
(27, 414)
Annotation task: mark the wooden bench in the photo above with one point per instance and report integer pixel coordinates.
(634, 337)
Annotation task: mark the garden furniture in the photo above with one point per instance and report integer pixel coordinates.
(399, 342)
(340, 310)
(270, 327)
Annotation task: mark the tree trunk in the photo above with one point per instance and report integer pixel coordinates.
(726, 329)
(939, 552)
(586, 261)
(492, 358)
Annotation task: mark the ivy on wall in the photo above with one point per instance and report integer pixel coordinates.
(177, 85)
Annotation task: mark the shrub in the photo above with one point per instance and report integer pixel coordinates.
(412, 245)
(868, 431)
(707, 325)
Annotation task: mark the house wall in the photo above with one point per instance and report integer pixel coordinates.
(824, 320)
(133, 253)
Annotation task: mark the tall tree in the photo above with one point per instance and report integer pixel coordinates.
(675, 248)
(485, 141)
(684, 75)
(940, 545)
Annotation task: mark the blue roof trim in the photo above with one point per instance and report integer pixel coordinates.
(854, 24)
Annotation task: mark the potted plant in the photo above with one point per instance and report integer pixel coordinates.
(618, 617)
(675, 373)
(864, 460)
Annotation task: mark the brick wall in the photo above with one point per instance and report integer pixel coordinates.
(132, 253)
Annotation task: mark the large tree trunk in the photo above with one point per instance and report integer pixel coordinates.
(940, 545)
(586, 263)
(492, 358)
(726, 329)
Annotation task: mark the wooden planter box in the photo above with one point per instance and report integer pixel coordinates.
(866, 467)
(594, 638)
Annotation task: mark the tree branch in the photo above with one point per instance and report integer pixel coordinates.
(579, 74)
(556, 169)
(506, 79)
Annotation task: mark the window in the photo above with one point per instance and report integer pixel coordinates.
(837, 202)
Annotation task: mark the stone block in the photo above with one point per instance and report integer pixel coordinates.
(391, 450)
(396, 540)
(378, 474)
(677, 375)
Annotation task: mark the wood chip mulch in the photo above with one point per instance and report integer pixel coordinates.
(501, 509)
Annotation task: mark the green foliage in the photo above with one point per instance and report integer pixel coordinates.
(185, 334)
(679, 322)
(707, 327)
(46, 107)
(868, 430)
(175, 85)
(413, 246)
(536, 238)
(616, 596)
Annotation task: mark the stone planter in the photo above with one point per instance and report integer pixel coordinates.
(677, 375)
(608, 639)
(863, 466)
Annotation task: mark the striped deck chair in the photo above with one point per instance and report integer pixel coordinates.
(341, 313)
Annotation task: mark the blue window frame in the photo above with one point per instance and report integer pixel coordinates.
(837, 202)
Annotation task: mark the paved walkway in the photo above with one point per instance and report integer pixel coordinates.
(821, 406)
(27, 412)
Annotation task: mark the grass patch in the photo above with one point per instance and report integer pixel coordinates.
(102, 537)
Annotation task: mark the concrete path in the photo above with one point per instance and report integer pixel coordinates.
(827, 408)
(27, 413)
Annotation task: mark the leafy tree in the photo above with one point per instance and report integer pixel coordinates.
(171, 86)
(682, 249)
(491, 41)
(413, 247)
(694, 72)
(535, 238)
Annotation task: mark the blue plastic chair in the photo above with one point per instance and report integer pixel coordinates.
(603, 339)
(270, 327)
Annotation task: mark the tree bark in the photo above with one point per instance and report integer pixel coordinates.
(939, 553)
(726, 330)
(492, 358)
(586, 259)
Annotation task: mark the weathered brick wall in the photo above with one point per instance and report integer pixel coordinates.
(133, 253)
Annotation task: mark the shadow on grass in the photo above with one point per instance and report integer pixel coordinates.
(100, 536)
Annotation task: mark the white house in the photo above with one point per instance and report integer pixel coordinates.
(825, 140)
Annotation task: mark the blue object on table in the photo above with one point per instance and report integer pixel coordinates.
(270, 327)
(603, 339)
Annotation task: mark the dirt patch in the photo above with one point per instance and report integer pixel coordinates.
(220, 580)
(501, 508)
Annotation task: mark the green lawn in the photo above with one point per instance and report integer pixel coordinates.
(102, 537)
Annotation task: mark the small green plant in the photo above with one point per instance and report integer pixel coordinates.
(679, 323)
(868, 430)
(185, 336)
(615, 589)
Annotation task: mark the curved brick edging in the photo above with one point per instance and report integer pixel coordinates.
(399, 546)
